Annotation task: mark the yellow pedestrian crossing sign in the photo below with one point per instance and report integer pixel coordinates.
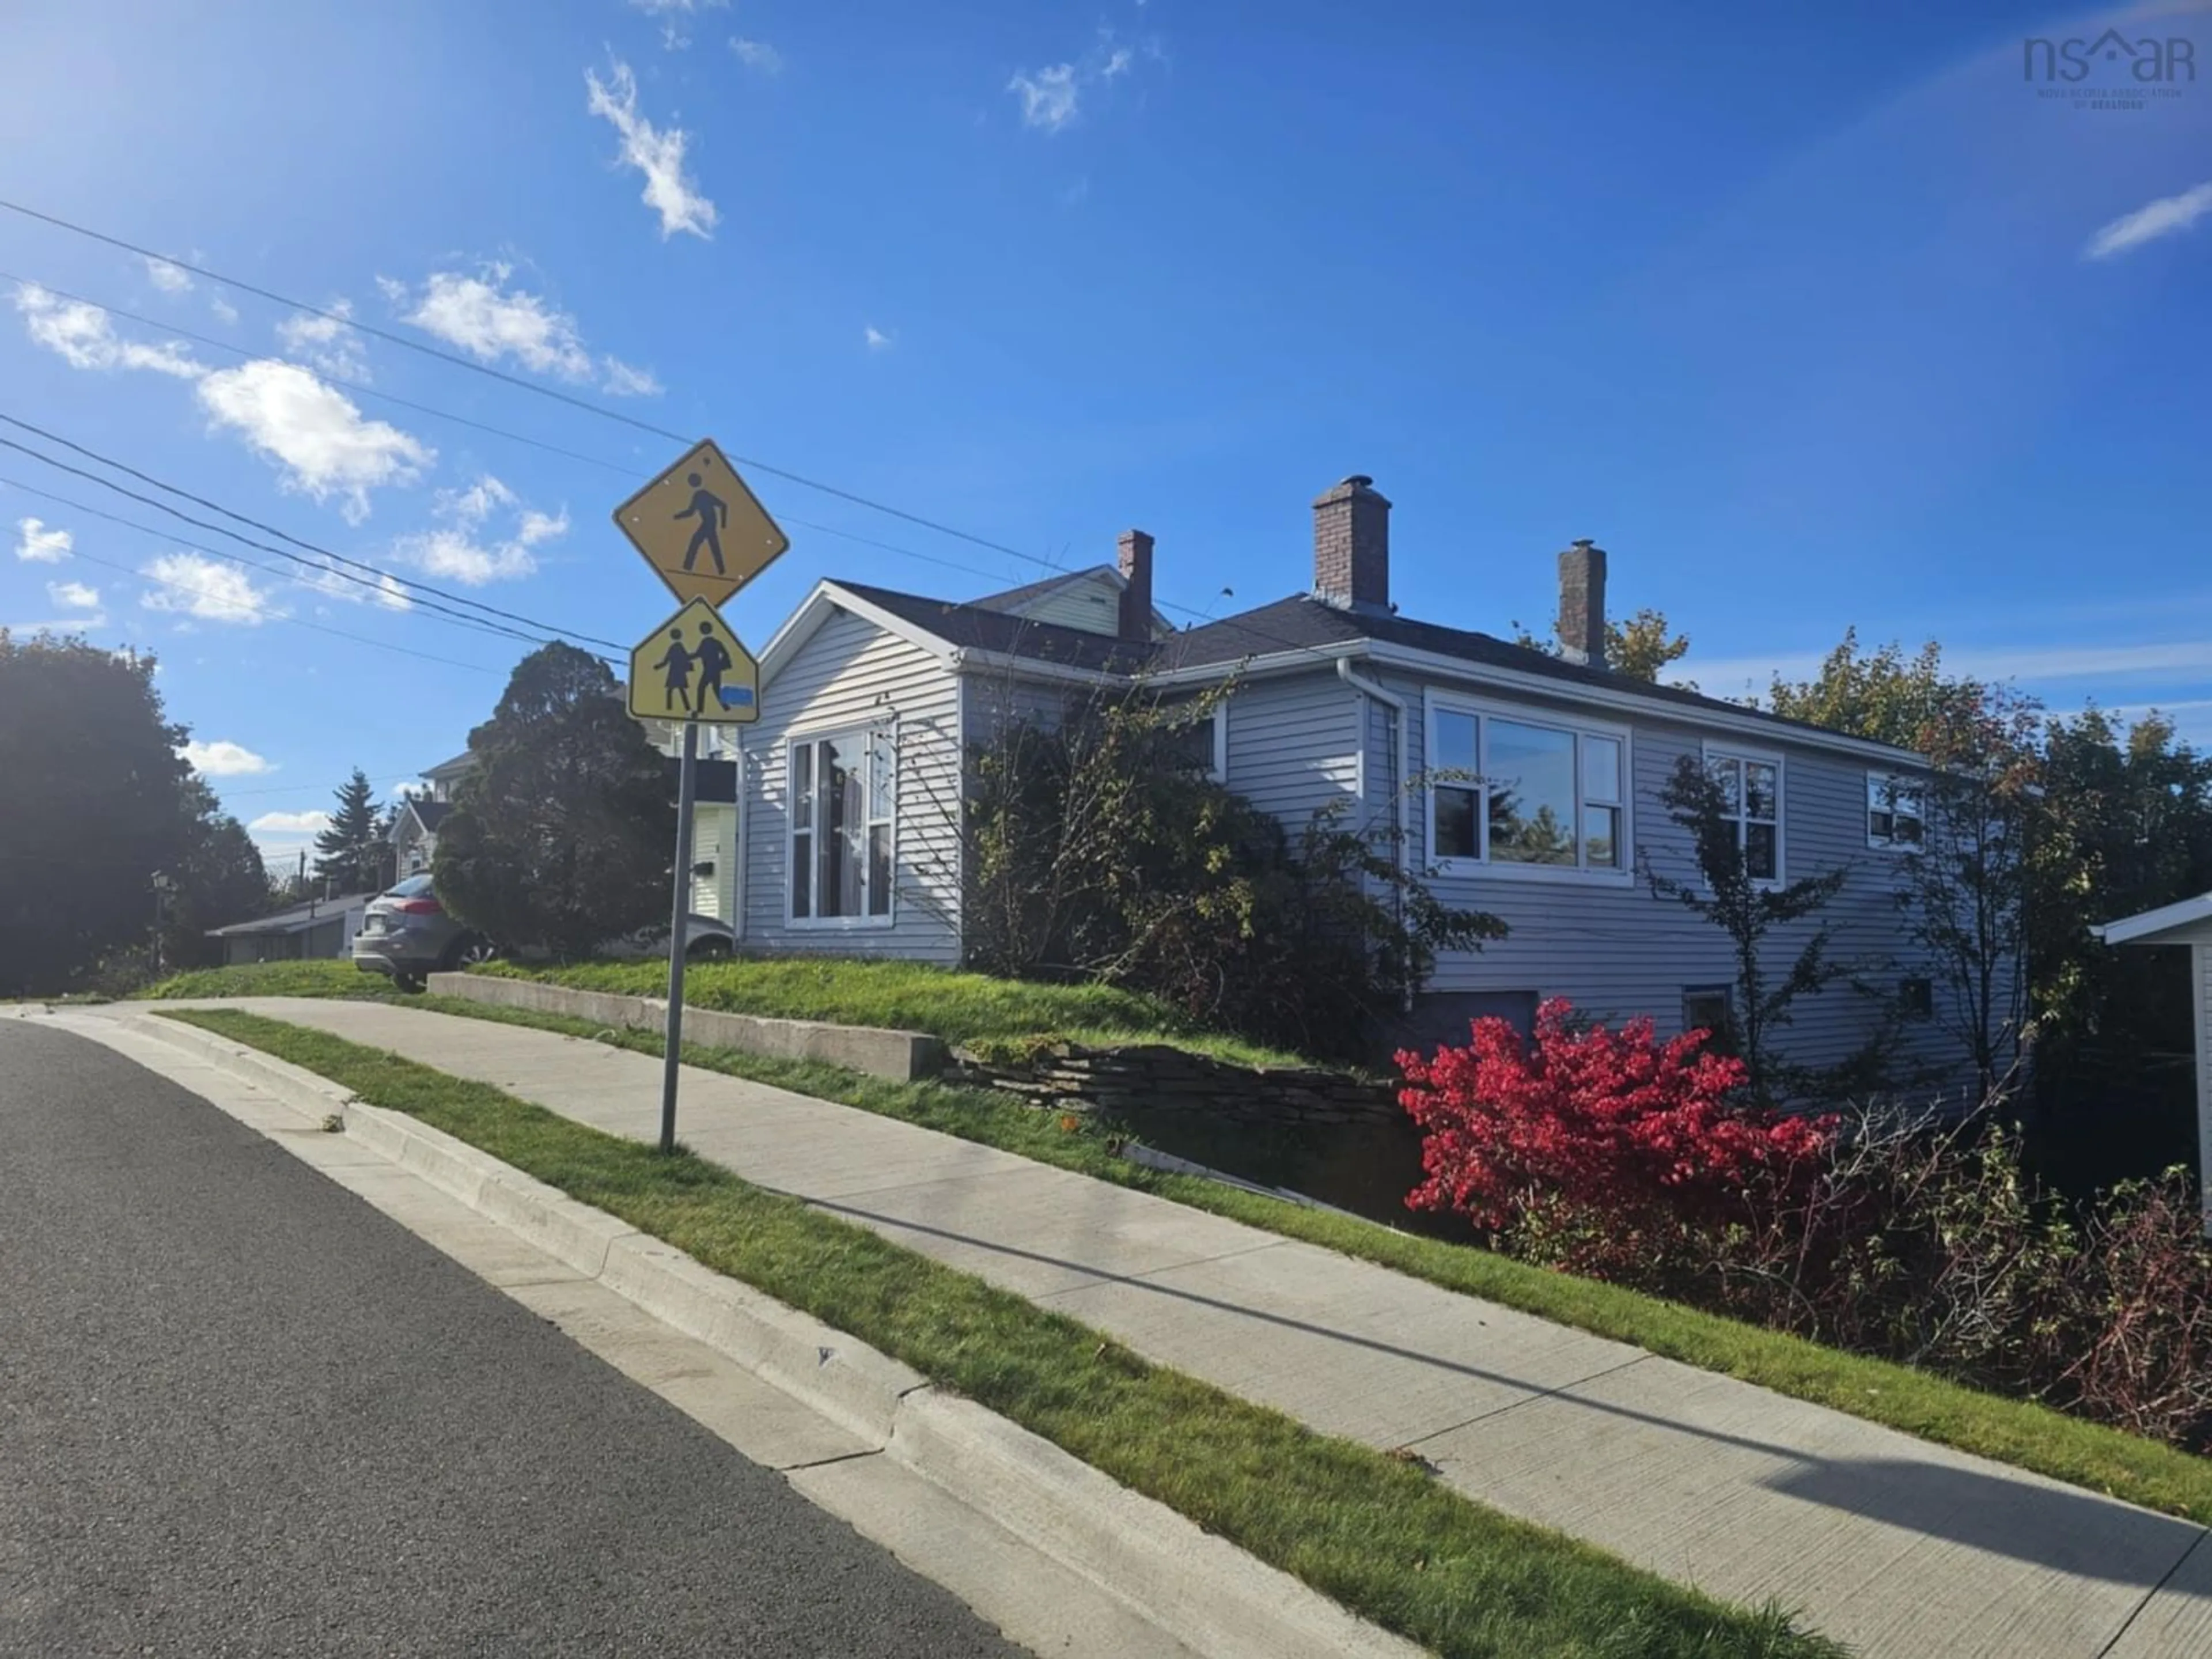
(700, 527)
(693, 667)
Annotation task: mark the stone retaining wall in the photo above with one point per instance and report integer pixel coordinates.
(1156, 1077)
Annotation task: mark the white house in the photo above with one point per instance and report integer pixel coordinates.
(1525, 784)
(2186, 926)
(415, 826)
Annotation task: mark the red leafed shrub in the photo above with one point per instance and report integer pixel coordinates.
(1611, 1154)
(1596, 1120)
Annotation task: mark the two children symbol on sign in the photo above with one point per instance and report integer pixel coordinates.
(712, 659)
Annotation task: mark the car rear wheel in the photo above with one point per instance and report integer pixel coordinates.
(710, 949)
(408, 982)
(470, 952)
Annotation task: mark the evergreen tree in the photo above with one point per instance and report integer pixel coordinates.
(561, 837)
(350, 855)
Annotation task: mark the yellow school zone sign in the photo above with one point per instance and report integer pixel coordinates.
(700, 528)
(693, 667)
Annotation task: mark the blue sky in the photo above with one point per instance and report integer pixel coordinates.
(1811, 317)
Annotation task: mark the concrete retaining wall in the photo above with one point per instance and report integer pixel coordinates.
(903, 1056)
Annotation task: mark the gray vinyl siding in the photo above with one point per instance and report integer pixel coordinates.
(1093, 605)
(851, 674)
(1294, 746)
(1616, 950)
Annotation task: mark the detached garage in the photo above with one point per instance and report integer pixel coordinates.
(2186, 926)
(324, 928)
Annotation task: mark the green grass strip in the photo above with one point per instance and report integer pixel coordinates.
(2018, 1432)
(1379, 1535)
(953, 1004)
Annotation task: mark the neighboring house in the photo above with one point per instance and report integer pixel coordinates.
(2188, 926)
(847, 819)
(320, 928)
(715, 818)
(415, 826)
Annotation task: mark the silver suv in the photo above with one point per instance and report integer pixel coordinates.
(406, 934)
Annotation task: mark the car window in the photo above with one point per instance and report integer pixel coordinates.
(413, 887)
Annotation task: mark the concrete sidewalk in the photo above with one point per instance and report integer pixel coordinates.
(1895, 1545)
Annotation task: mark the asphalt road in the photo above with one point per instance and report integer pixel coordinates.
(243, 1413)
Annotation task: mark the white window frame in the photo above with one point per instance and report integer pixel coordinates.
(1902, 785)
(1730, 751)
(867, 732)
(1217, 770)
(1484, 712)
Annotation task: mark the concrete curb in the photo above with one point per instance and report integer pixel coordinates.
(1208, 1593)
(903, 1056)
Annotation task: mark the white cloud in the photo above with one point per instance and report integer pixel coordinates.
(297, 825)
(757, 55)
(329, 343)
(1048, 97)
(224, 311)
(622, 380)
(676, 8)
(656, 153)
(538, 527)
(2164, 217)
(459, 550)
(170, 279)
(876, 338)
(354, 587)
(62, 625)
(40, 544)
(222, 759)
(315, 434)
(81, 334)
(491, 322)
(208, 589)
(393, 289)
(74, 596)
(1118, 62)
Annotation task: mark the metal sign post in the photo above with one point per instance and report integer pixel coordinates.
(706, 535)
(687, 790)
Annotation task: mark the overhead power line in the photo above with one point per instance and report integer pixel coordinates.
(193, 588)
(535, 388)
(570, 400)
(313, 547)
(481, 625)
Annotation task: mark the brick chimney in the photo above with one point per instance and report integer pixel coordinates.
(1136, 561)
(1581, 603)
(1352, 546)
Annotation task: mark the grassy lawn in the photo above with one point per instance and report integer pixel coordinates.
(2025, 1434)
(272, 979)
(910, 996)
(1377, 1535)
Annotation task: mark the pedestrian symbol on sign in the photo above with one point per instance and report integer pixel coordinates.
(712, 513)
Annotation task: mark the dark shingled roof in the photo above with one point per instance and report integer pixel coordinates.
(1298, 622)
(429, 813)
(297, 920)
(975, 628)
(1304, 622)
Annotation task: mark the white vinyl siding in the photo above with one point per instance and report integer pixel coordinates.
(853, 676)
(1614, 948)
(714, 841)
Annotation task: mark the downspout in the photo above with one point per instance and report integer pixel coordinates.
(1396, 705)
